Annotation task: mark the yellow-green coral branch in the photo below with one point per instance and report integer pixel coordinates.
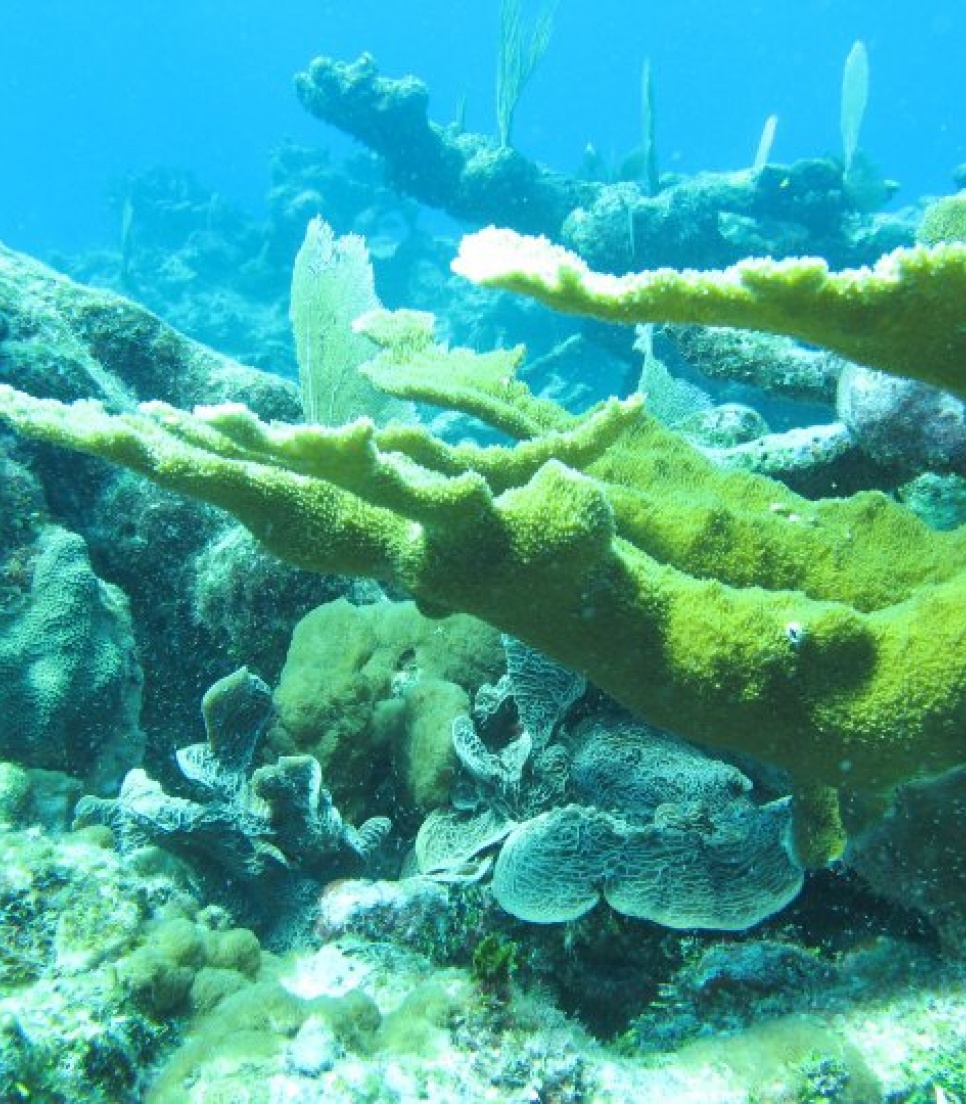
(668, 499)
(746, 530)
(412, 366)
(836, 695)
(588, 437)
(311, 520)
(905, 315)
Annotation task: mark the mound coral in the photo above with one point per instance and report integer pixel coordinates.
(70, 682)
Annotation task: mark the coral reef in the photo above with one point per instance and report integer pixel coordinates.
(944, 221)
(95, 344)
(909, 856)
(332, 285)
(706, 220)
(192, 588)
(246, 600)
(816, 647)
(222, 275)
(737, 1017)
(773, 364)
(699, 869)
(23, 507)
(99, 955)
(885, 430)
(887, 417)
(940, 500)
(370, 691)
(133, 992)
(469, 175)
(604, 808)
(717, 605)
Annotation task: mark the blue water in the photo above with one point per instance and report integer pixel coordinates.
(93, 89)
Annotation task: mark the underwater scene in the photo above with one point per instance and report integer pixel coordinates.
(482, 552)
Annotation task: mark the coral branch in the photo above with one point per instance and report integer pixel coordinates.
(905, 315)
(860, 691)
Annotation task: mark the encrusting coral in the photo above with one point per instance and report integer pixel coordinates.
(825, 637)
(708, 219)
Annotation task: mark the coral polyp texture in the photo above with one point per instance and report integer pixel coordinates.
(827, 637)
(904, 315)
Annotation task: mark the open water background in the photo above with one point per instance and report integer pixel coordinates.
(91, 90)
